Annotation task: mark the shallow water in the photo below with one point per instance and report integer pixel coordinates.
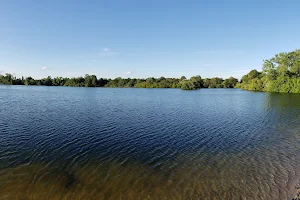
(100, 143)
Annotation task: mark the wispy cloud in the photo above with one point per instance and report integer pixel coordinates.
(44, 68)
(105, 49)
(2, 72)
(94, 60)
(129, 72)
(107, 52)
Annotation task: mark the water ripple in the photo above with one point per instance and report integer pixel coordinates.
(99, 143)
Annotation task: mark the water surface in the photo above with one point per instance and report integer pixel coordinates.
(100, 143)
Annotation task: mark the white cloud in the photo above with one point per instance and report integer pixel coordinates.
(129, 72)
(105, 49)
(107, 52)
(94, 60)
(45, 68)
(2, 72)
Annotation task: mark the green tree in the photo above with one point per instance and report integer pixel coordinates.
(187, 85)
(30, 81)
(280, 74)
(230, 82)
(197, 81)
(90, 80)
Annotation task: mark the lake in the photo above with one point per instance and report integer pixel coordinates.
(113, 143)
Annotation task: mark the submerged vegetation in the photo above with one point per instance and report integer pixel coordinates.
(280, 74)
(195, 82)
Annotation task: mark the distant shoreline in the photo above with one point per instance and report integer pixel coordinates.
(194, 83)
(280, 74)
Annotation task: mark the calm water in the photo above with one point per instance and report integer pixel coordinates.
(98, 143)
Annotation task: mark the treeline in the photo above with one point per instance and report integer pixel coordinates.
(280, 74)
(195, 82)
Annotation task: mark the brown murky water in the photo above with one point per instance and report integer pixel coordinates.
(82, 143)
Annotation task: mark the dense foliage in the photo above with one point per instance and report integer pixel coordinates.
(280, 74)
(195, 82)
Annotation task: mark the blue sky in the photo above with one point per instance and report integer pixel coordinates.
(136, 38)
